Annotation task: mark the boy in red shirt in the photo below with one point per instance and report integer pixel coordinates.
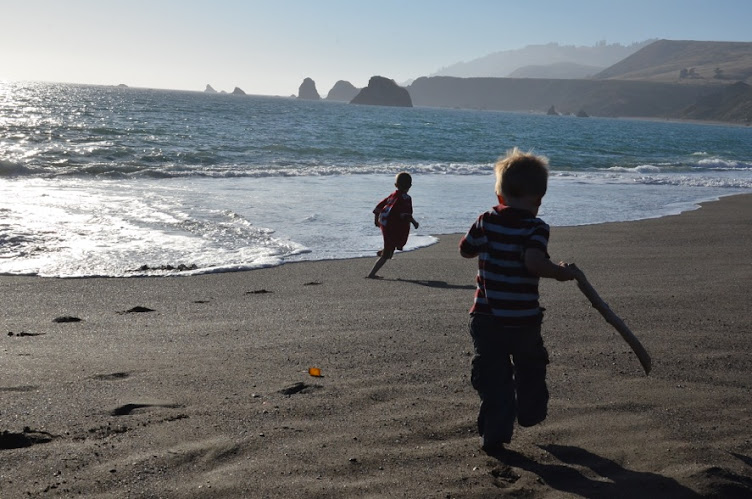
(393, 215)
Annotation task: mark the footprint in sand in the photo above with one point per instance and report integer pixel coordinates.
(127, 409)
(299, 387)
(29, 437)
(23, 333)
(66, 318)
(137, 310)
(22, 388)
(111, 376)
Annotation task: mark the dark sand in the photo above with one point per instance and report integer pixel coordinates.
(209, 395)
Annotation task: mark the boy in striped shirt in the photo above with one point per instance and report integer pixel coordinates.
(509, 366)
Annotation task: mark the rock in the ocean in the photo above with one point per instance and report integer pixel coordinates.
(210, 89)
(383, 92)
(552, 111)
(307, 90)
(237, 91)
(343, 91)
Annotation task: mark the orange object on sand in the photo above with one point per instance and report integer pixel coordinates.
(314, 371)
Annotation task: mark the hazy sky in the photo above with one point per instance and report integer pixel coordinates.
(268, 46)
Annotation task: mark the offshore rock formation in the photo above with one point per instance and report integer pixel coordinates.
(307, 90)
(342, 91)
(237, 91)
(209, 89)
(383, 92)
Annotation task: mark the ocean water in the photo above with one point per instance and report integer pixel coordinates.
(109, 181)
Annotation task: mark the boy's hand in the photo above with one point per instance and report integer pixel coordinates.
(376, 220)
(569, 271)
(415, 224)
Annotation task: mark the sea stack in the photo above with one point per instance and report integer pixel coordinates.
(238, 91)
(383, 92)
(342, 91)
(307, 90)
(209, 89)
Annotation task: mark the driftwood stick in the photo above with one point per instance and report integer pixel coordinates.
(608, 314)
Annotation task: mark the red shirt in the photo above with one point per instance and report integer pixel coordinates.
(394, 227)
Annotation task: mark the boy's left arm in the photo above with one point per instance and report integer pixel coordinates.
(406, 211)
(409, 218)
(537, 263)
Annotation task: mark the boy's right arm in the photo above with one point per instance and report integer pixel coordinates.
(474, 241)
(467, 255)
(466, 249)
(377, 212)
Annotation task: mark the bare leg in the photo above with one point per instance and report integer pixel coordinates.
(377, 266)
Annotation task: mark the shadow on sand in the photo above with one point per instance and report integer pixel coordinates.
(437, 284)
(614, 482)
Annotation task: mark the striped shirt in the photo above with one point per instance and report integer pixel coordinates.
(505, 288)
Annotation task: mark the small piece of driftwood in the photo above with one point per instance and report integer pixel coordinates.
(608, 314)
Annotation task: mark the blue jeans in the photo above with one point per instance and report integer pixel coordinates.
(509, 374)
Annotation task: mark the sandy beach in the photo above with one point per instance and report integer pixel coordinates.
(199, 386)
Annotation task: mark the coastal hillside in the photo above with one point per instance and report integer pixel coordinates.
(684, 61)
(558, 70)
(596, 98)
(667, 79)
(547, 61)
(732, 103)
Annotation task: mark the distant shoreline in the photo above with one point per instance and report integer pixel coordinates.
(123, 86)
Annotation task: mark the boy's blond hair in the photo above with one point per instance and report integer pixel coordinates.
(520, 174)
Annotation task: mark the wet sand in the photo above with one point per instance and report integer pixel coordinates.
(199, 386)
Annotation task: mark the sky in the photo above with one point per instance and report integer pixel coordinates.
(267, 47)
